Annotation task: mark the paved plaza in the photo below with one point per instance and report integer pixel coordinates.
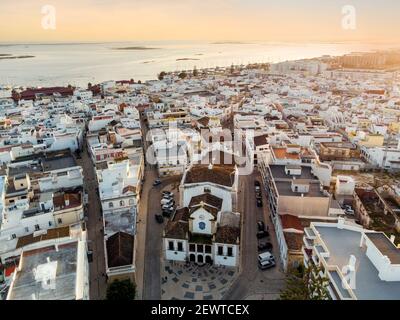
(188, 281)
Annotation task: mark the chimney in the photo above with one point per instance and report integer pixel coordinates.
(340, 223)
(66, 200)
(392, 238)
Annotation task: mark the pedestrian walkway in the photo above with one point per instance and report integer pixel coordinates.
(188, 281)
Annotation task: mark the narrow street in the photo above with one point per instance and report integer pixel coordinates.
(94, 223)
(252, 282)
(149, 234)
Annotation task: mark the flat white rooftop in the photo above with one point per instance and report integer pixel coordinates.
(342, 243)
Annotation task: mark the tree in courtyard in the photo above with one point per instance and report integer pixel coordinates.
(305, 284)
(121, 290)
(161, 75)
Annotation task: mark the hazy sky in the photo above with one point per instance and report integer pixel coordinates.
(208, 20)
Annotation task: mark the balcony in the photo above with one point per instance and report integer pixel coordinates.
(308, 243)
(310, 233)
(307, 253)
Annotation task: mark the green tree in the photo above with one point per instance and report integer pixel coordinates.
(195, 72)
(121, 290)
(305, 284)
(182, 75)
(161, 75)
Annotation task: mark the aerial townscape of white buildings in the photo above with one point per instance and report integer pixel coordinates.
(323, 137)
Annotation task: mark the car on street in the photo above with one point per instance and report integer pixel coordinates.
(266, 260)
(259, 203)
(262, 234)
(168, 212)
(264, 246)
(261, 225)
(159, 218)
(167, 201)
(167, 207)
(156, 182)
(349, 211)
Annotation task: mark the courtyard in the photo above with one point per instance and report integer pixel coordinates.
(189, 281)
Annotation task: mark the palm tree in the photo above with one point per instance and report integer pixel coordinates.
(305, 284)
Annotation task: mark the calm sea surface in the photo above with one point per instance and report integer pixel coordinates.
(78, 64)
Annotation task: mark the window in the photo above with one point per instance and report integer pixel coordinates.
(170, 245)
(37, 227)
(131, 202)
(13, 236)
(122, 203)
(180, 246)
(199, 248)
(220, 250)
(208, 249)
(192, 247)
(59, 220)
(50, 224)
(230, 252)
(26, 229)
(111, 205)
(207, 190)
(202, 225)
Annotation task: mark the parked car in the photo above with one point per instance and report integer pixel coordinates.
(159, 218)
(167, 207)
(166, 196)
(259, 203)
(167, 201)
(156, 182)
(167, 212)
(264, 246)
(261, 225)
(349, 211)
(262, 234)
(266, 260)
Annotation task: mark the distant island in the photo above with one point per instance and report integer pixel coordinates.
(135, 48)
(186, 59)
(5, 56)
(229, 42)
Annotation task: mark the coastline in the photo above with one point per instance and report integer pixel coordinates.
(90, 64)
